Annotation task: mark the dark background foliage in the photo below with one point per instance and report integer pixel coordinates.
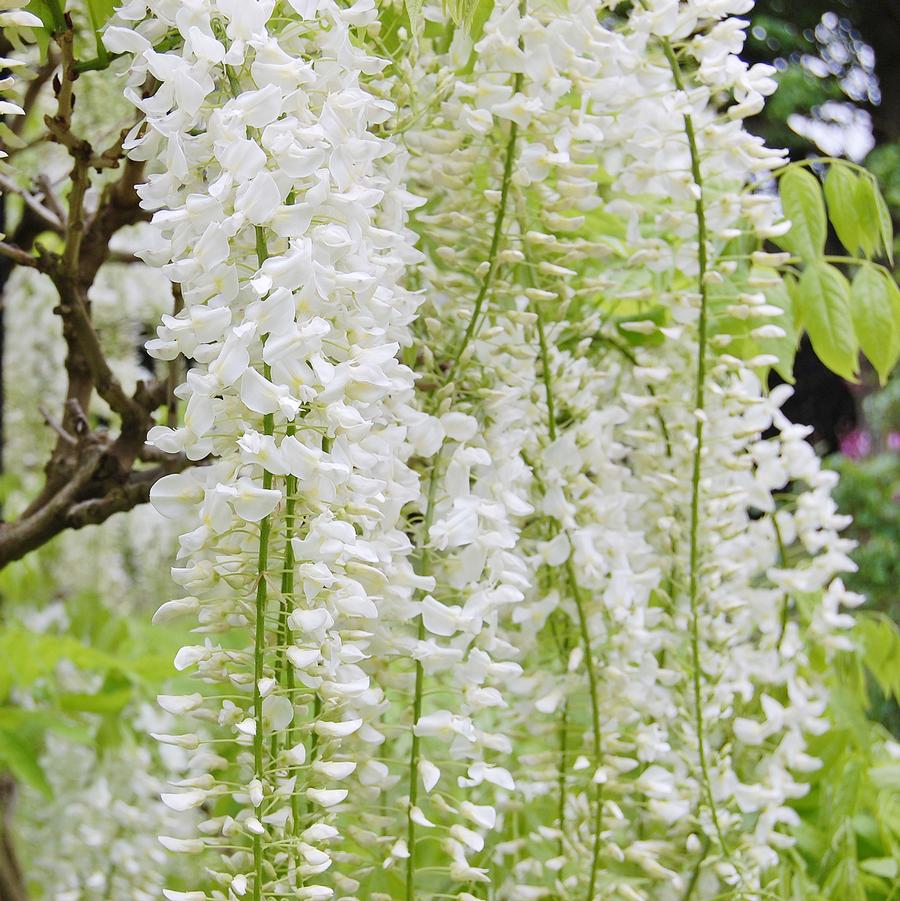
(839, 72)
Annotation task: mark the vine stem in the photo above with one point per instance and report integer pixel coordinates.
(457, 361)
(584, 628)
(697, 465)
(695, 875)
(578, 596)
(809, 162)
(786, 604)
(508, 160)
(262, 599)
(317, 700)
(284, 672)
(563, 732)
(425, 570)
(546, 377)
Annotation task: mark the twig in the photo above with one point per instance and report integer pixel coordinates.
(73, 310)
(174, 368)
(50, 199)
(56, 426)
(123, 258)
(17, 255)
(45, 215)
(90, 474)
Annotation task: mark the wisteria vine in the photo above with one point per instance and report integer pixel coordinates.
(487, 549)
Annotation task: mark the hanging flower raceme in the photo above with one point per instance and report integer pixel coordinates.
(703, 413)
(98, 834)
(632, 542)
(280, 218)
(15, 21)
(546, 186)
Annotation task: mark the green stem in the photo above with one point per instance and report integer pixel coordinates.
(509, 158)
(284, 672)
(258, 654)
(456, 362)
(580, 605)
(811, 161)
(561, 777)
(547, 379)
(425, 570)
(546, 375)
(563, 646)
(317, 700)
(262, 598)
(695, 875)
(699, 402)
(786, 605)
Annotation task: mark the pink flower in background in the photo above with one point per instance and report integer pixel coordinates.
(857, 444)
(893, 441)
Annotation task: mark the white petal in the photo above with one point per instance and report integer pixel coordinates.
(337, 730)
(253, 503)
(258, 199)
(327, 797)
(175, 609)
(182, 845)
(179, 704)
(175, 494)
(182, 801)
(278, 712)
(430, 774)
(335, 769)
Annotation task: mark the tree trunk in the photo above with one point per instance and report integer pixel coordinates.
(12, 881)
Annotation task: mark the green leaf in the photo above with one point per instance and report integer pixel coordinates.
(480, 14)
(22, 762)
(841, 188)
(42, 10)
(865, 205)
(879, 639)
(36, 720)
(886, 776)
(100, 12)
(825, 313)
(26, 657)
(894, 293)
(102, 702)
(414, 11)
(844, 882)
(874, 320)
(885, 222)
(48, 13)
(881, 866)
(803, 204)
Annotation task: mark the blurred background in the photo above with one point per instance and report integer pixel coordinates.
(839, 95)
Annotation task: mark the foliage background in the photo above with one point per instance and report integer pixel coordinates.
(839, 93)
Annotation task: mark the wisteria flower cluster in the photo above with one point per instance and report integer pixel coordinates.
(495, 587)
